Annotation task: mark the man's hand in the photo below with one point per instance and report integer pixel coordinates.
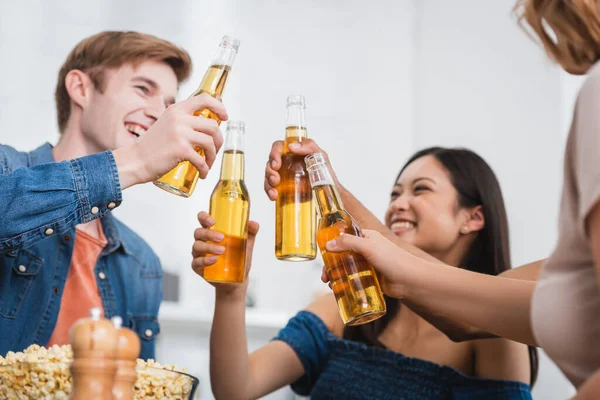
(171, 140)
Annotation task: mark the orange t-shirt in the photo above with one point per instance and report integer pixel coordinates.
(81, 291)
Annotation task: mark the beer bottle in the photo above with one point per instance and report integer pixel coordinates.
(230, 208)
(353, 281)
(182, 179)
(295, 216)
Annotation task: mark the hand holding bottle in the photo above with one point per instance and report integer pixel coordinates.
(272, 176)
(182, 179)
(171, 140)
(206, 248)
(393, 264)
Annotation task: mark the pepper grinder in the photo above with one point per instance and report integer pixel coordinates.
(94, 343)
(128, 350)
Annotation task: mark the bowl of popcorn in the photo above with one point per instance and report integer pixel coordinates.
(40, 373)
(157, 381)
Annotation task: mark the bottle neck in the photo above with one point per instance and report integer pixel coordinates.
(215, 78)
(232, 168)
(296, 121)
(328, 198)
(225, 56)
(214, 81)
(295, 128)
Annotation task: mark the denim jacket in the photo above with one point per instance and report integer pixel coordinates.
(41, 202)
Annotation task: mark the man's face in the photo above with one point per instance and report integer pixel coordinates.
(132, 100)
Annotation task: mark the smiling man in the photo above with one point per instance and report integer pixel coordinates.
(61, 250)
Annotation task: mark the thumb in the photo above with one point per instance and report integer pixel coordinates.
(253, 228)
(344, 243)
(304, 148)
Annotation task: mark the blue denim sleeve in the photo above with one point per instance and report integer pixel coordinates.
(307, 335)
(49, 199)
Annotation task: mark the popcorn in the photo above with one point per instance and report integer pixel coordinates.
(40, 373)
(154, 384)
(36, 373)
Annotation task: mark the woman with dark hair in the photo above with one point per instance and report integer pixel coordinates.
(446, 202)
(477, 187)
(555, 303)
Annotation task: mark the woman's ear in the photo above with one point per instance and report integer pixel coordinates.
(475, 221)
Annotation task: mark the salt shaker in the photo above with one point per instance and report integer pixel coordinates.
(128, 350)
(94, 343)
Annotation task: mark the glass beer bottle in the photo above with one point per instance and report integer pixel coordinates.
(230, 208)
(182, 179)
(353, 281)
(295, 216)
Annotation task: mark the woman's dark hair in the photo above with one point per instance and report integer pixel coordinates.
(489, 253)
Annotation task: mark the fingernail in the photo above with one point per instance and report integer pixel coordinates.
(273, 164)
(219, 249)
(211, 259)
(210, 221)
(272, 193)
(295, 146)
(219, 236)
(272, 179)
(331, 243)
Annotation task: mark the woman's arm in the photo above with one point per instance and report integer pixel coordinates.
(458, 331)
(267, 369)
(494, 304)
(234, 373)
(502, 359)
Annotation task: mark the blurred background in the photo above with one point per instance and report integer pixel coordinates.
(382, 79)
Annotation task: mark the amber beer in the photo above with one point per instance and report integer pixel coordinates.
(352, 279)
(230, 208)
(295, 216)
(182, 179)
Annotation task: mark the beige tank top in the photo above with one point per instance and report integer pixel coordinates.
(566, 303)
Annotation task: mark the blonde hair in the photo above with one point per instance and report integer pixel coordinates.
(112, 49)
(576, 29)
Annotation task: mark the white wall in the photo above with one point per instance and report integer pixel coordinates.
(483, 84)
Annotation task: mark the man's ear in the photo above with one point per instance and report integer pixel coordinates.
(80, 87)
